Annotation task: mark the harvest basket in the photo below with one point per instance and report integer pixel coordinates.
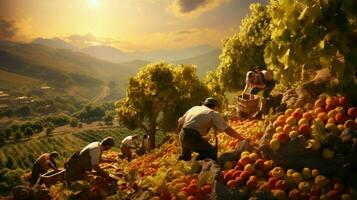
(52, 177)
(246, 105)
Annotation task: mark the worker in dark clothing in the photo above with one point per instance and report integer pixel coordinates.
(195, 124)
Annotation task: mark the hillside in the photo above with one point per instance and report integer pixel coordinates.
(205, 62)
(61, 68)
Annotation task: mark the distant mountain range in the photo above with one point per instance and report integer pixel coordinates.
(83, 72)
(115, 55)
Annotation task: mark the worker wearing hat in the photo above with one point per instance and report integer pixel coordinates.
(258, 80)
(194, 126)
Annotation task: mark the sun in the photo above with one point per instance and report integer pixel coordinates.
(94, 2)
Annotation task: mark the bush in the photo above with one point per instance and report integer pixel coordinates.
(28, 131)
(7, 132)
(18, 135)
(74, 122)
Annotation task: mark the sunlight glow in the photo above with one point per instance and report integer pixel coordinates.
(94, 2)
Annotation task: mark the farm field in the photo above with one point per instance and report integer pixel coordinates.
(22, 155)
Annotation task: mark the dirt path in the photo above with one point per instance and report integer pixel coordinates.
(103, 93)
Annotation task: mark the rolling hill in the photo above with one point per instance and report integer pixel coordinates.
(62, 68)
(205, 62)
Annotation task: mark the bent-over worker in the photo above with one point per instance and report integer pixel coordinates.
(195, 124)
(42, 165)
(87, 159)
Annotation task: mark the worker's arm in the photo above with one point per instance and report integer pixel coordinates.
(101, 171)
(107, 160)
(261, 86)
(52, 164)
(231, 132)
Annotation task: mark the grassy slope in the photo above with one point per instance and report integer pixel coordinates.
(206, 62)
(14, 81)
(65, 140)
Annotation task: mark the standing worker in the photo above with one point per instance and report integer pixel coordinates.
(127, 144)
(195, 124)
(42, 165)
(87, 159)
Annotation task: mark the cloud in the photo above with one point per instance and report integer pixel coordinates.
(8, 29)
(194, 7)
(90, 39)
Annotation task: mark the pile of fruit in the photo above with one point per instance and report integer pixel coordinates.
(164, 177)
(252, 176)
(320, 124)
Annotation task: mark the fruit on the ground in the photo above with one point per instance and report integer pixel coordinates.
(330, 126)
(277, 172)
(283, 137)
(232, 183)
(304, 186)
(297, 177)
(327, 153)
(338, 187)
(272, 181)
(319, 103)
(333, 195)
(281, 184)
(228, 165)
(245, 160)
(315, 172)
(253, 156)
(315, 190)
(321, 180)
(306, 172)
(274, 144)
(350, 124)
(313, 144)
(293, 134)
(304, 129)
(291, 120)
(249, 168)
(340, 118)
(294, 194)
(342, 101)
(279, 194)
(352, 112)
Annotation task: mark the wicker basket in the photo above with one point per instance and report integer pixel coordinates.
(52, 177)
(246, 105)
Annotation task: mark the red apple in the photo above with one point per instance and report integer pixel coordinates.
(304, 129)
(340, 118)
(272, 181)
(331, 101)
(352, 112)
(232, 183)
(338, 187)
(283, 137)
(297, 115)
(240, 180)
(333, 195)
(342, 101)
(281, 184)
(315, 190)
(294, 194)
(259, 164)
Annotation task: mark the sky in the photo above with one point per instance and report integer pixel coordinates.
(130, 25)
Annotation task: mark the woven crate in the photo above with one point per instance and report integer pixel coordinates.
(246, 105)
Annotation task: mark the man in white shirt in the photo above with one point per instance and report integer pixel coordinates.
(87, 159)
(127, 144)
(195, 124)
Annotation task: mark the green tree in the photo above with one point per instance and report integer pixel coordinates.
(24, 111)
(245, 49)
(7, 132)
(74, 122)
(49, 128)
(158, 95)
(108, 118)
(2, 139)
(18, 135)
(28, 132)
(9, 113)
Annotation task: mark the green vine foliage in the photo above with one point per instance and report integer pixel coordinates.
(311, 35)
(245, 49)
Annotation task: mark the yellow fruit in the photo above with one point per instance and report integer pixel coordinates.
(327, 153)
(341, 127)
(321, 180)
(253, 156)
(332, 113)
(302, 121)
(304, 186)
(228, 165)
(315, 172)
(293, 134)
(313, 144)
(330, 126)
(249, 168)
(277, 172)
(289, 111)
(297, 177)
(279, 129)
(306, 173)
(244, 153)
(291, 120)
(274, 144)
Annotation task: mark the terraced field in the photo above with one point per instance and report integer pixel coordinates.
(23, 154)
